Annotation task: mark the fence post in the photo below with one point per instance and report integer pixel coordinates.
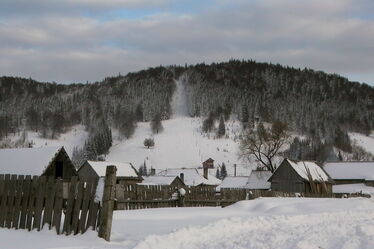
(181, 195)
(108, 203)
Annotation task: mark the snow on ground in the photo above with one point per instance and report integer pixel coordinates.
(366, 142)
(181, 144)
(284, 223)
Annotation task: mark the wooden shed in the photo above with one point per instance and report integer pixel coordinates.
(46, 161)
(93, 170)
(301, 177)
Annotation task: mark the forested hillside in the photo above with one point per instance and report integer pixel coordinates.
(320, 106)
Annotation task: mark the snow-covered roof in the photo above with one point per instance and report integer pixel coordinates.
(123, 169)
(302, 168)
(26, 161)
(233, 182)
(192, 177)
(350, 170)
(157, 180)
(353, 188)
(259, 180)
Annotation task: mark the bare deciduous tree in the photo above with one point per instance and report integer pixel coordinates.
(264, 143)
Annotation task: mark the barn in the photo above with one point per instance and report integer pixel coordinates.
(45, 161)
(93, 170)
(301, 177)
(351, 172)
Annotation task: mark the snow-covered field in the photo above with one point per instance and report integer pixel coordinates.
(262, 223)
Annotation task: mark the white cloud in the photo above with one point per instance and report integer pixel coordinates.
(324, 35)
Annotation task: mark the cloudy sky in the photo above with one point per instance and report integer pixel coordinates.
(86, 40)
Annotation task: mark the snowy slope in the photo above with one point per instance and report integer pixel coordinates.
(366, 142)
(284, 223)
(181, 144)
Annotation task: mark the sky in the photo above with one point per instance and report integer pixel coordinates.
(68, 41)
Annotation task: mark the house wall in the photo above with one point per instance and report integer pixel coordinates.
(68, 167)
(369, 183)
(87, 173)
(348, 181)
(287, 180)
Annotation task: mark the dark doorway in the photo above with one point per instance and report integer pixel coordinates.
(59, 169)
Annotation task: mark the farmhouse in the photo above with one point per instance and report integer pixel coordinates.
(233, 182)
(46, 161)
(93, 170)
(300, 176)
(192, 177)
(173, 181)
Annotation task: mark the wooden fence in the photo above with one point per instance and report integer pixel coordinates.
(32, 202)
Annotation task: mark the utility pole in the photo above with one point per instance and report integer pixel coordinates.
(234, 169)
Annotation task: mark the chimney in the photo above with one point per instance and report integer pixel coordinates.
(205, 172)
(208, 164)
(181, 176)
(153, 171)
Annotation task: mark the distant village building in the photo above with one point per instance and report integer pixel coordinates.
(351, 177)
(45, 161)
(192, 176)
(351, 172)
(256, 180)
(93, 170)
(301, 177)
(173, 181)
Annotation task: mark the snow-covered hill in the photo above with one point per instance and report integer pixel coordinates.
(181, 144)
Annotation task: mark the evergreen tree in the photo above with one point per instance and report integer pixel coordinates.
(223, 171)
(221, 127)
(218, 175)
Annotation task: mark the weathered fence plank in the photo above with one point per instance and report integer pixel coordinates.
(17, 203)
(57, 207)
(77, 208)
(10, 203)
(39, 203)
(49, 201)
(85, 204)
(70, 206)
(4, 199)
(25, 201)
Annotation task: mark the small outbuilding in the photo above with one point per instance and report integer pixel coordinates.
(258, 179)
(44, 161)
(94, 170)
(173, 181)
(301, 177)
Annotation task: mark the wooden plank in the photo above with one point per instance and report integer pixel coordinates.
(2, 181)
(39, 203)
(25, 201)
(17, 204)
(4, 199)
(49, 201)
(58, 204)
(77, 208)
(70, 206)
(31, 204)
(10, 203)
(85, 204)
(92, 215)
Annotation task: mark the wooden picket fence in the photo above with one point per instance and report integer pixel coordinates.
(32, 202)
